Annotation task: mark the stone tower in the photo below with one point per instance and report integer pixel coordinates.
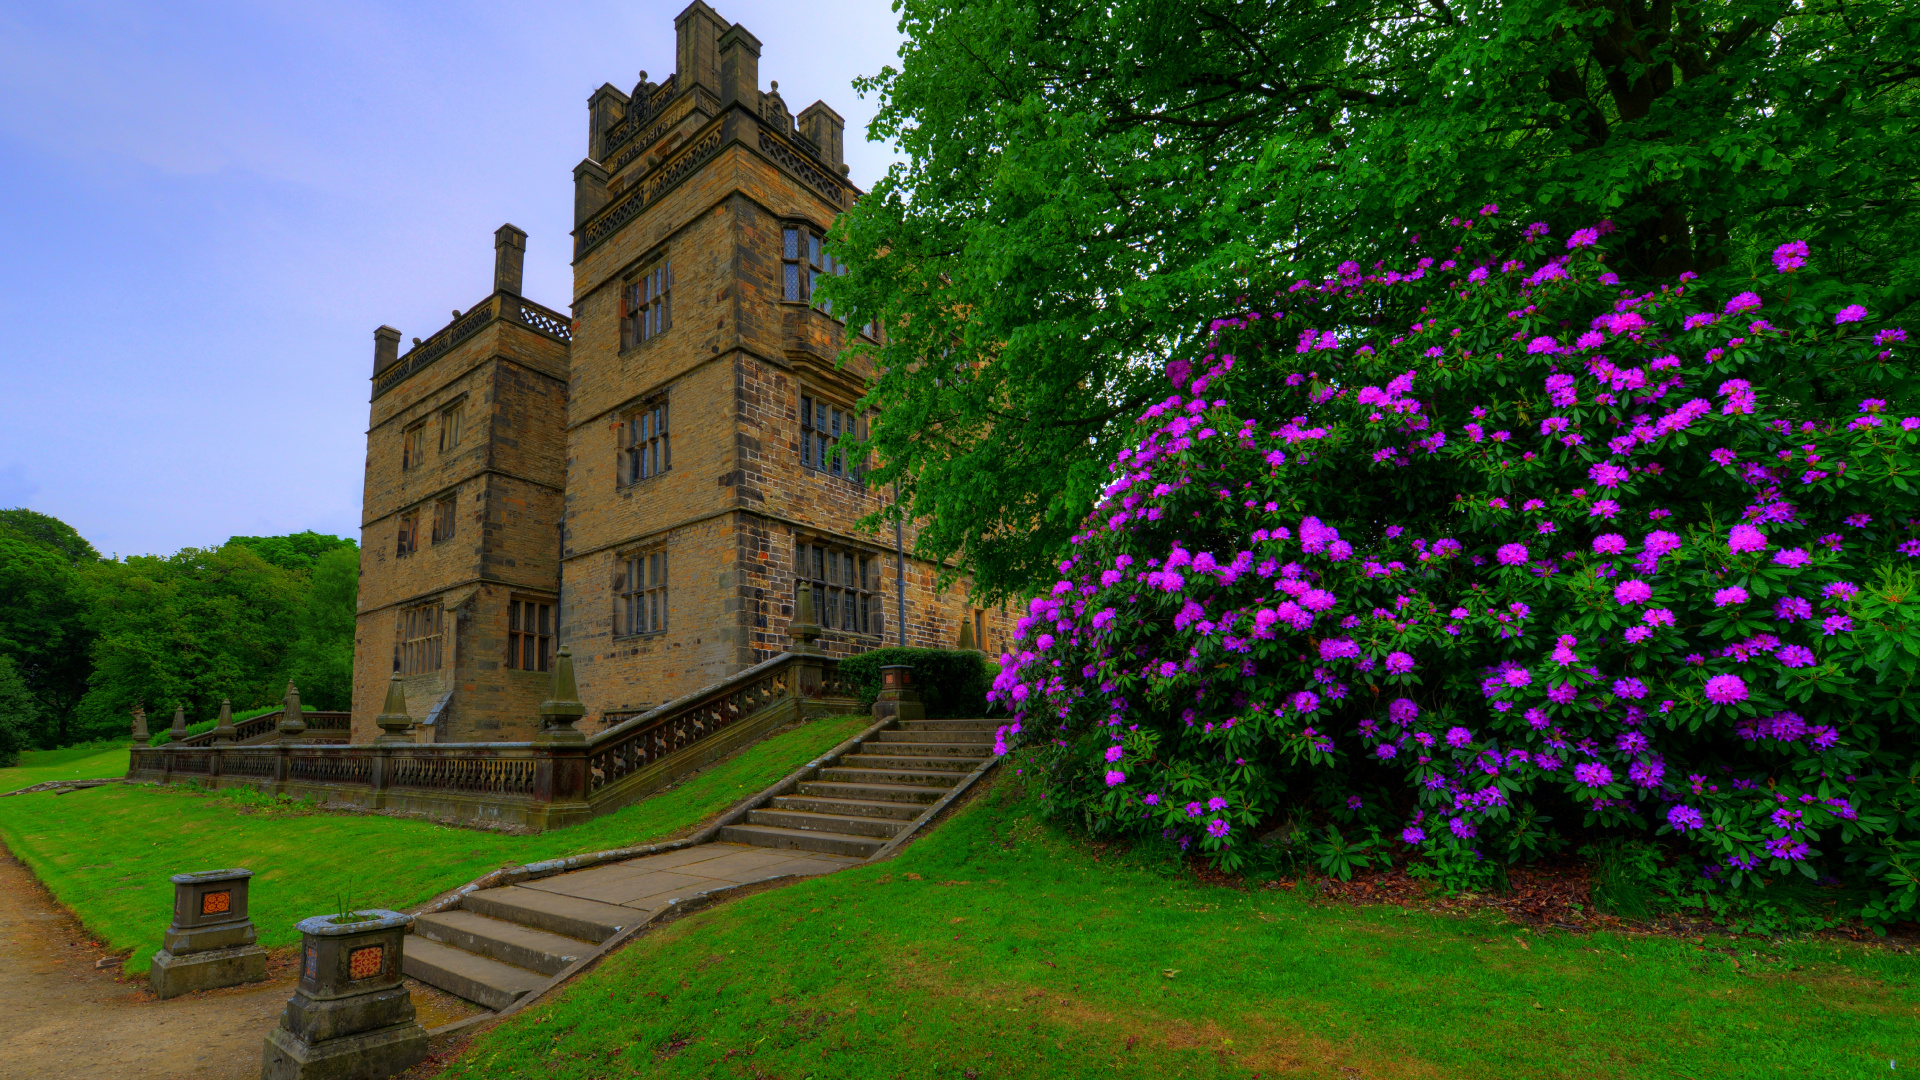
(675, 435)
(460, 541)
(699, 215)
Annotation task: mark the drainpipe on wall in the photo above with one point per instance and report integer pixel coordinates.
(900, 564)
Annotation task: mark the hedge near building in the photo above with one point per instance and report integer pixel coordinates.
(1483, 555)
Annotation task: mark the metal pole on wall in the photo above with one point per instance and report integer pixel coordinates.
(900, 566)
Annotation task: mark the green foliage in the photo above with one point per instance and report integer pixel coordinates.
(196, 627)
(952, 683)
(300, 552)
(19, 714)
(37, 528)
(43, 601)
(323, 656)
(1087, 184)
(100, 854)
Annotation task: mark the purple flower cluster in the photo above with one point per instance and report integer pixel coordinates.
(1602, 591)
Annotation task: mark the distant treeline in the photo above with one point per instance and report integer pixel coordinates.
(83, 639)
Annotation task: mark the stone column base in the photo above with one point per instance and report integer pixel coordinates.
(173, 975)
(884, 709)
(370, 1055)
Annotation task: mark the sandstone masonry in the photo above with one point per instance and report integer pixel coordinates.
(650, 479)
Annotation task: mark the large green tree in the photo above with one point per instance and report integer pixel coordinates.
(323, 656)
(46, 530)
(300, 551)
(188, 629)
(43, 631)
(1086, 185)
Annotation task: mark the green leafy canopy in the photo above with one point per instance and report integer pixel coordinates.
(1086, 185)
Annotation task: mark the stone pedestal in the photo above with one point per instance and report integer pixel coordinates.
(210, 942)
(898, 698)
(350, 1018)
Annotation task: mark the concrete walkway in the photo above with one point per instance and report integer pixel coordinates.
(653, 881)
(502, 944)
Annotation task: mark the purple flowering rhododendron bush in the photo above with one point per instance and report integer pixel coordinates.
(1487, 554)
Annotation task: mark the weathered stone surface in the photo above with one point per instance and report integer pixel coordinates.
(350, 1014)
(209, 942)
(171, 975)
(372, 1055)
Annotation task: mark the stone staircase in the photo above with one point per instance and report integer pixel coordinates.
(504, 943)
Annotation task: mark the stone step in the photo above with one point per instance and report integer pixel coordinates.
(772, 836)
(479, 979)
(941, 762)
(509, 943)
(909, 777)
(951, 725)
(928, 749)
(587, 920)
(898, 811)
(885, 828)
(965, 738)
(868, 792)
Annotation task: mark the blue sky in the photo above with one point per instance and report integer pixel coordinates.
(209, 208)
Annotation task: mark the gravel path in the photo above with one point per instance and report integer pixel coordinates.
(63, 1018)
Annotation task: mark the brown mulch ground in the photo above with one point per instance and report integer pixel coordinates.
(1553, 895)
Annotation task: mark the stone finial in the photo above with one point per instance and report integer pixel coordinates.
(509, 258)
(293, 722)
(562, 707)
(140, 733)
(966, 634)
(223, 731)
(394, 721)
(179, 729)
(802, 628)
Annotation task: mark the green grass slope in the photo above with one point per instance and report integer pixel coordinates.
(106, 853)
(72, 763)
(995, 947)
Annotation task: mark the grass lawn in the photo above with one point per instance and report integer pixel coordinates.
(73, 763)
(107, 852)
(997, 947)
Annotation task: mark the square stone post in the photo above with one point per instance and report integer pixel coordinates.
(210, 942)
(898, 698)
(350, 1015)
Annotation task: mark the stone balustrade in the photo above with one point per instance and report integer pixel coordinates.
(561, 778)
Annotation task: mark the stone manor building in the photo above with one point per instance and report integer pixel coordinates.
(650, 475)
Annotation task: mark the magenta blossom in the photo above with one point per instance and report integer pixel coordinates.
(1726, 689)
(1632, 591)
(1745, 538)
(1512, 554)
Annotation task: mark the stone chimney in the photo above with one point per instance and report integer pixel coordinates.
(827, 130)
(697, 48)
(386, 348)
(739, 68)
(509, 258)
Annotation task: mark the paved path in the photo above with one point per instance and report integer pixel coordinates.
(652, 881)
(61, 1018)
